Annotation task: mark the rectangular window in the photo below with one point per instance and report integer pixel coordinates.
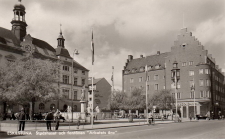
(75, 80)
(90, 99)
(66, 68)
(156, 77)
(83, 72)
(131, 80)
(75, 95)
(178, 95)
(148, 87)
(200, 71)
(201, 94)
(207, 71)
(191, 63)
(131, 88)
(191, 83)
(140, 79)
(83, 81)
(184, 64)
(66, 93)
(191, 73)
(156, 87)
(148, 78)
(208, 83)
(201, 82)
(66, 79)
(75, 71)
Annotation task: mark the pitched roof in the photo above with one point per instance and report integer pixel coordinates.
(152, 60)
(62, 52)
(42, 44)
(75, 64)
(94, 81)
(8, 35)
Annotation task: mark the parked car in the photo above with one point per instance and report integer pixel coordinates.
(201, 117)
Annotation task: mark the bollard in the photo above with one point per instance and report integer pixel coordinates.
(36, 125)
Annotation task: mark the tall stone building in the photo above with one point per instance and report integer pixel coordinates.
(16, 43)
(197, 68)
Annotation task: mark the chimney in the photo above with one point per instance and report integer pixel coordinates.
(141, 56)
(130, 57)
(158, 52)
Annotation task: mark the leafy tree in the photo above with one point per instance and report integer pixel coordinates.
(118, 99)
(29, 80)
(162, 100)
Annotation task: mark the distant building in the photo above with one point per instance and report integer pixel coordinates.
(102, 94)
(16, 43)
(197, 68)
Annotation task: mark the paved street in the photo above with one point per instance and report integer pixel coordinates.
(214, 129)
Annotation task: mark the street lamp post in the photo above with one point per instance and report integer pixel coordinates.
(175, 77)
(193, 91)
(72, 83)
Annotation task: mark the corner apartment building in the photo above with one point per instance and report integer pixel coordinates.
(197, 68)
(16, 44)
(101, 94)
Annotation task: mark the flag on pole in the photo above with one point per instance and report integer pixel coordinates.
(112, 74)
(92, 48)
(146, 72)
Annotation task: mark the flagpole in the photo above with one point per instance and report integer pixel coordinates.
(113, 79)
(92, 121)
(146, 84)
(92, 92)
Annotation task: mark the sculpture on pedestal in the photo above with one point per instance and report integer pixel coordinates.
(82, 98)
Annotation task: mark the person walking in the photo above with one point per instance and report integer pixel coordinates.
(49, 117)
(21, 118)
(57, 116)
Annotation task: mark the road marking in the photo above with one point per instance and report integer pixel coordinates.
(136, 131)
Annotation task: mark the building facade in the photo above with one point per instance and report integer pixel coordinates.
(101, 94)
(16, 44)
(198, 70)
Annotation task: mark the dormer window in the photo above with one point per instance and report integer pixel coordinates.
(149, 67)
(157, 66)
(142, 69)
(127, 71)
(133, 70)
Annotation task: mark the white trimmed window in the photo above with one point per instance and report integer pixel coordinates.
(191, 63)
(191, 73)
(66, 68)
(184, 64)
(201, 94)
(140, 79)
(208, 83)
(66, 79)
(156, 87)
(192, 94)
(178, 95)
(201, 82)
(207, 71)
(156, 77)
(201, 71)
(131, 80)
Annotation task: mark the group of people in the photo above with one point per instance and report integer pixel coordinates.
(50, 117)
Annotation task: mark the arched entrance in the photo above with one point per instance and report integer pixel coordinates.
(65, 108)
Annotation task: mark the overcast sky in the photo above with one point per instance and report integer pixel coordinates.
(122, 28)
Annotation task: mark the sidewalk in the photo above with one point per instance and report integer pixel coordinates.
(100, 124)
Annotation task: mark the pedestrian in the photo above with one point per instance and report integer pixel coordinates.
(78, 121)
(57, 119)
(49, 117)
(21, 118)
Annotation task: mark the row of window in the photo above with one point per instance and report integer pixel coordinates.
(66, 93)
(142, 69)
(191, 63)
(140, 79)
(201, 71)
(66, 80)
(67, 68)
(203, 94)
